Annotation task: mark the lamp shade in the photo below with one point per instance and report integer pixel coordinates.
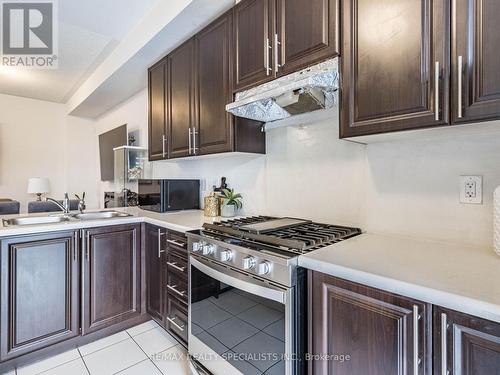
(37, 185)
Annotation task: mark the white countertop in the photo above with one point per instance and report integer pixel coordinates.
(462, 278)
(180, 221)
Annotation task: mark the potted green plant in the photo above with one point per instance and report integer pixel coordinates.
(231, 202)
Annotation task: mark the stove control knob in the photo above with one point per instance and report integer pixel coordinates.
(197, 246)
(248, 263)
(264, 268)
(208, 249)
(225, 255)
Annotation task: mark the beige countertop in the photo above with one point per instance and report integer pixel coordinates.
(462, 278)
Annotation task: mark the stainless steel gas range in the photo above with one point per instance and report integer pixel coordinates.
(247, 295)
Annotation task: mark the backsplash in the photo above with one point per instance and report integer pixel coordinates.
(400, 187)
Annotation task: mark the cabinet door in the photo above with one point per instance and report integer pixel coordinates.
(39, 292)
(475, 61)
(111, 276)
(214, 91)
(390, 79)
(157, 120)
(383, 334)
(155, 263)
(253, 37)
(307, 31)
(470, 346)
(181, 116)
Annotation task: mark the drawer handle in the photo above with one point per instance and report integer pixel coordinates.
(174, 265)
(173, 288)
(176, 243)
(172, 321)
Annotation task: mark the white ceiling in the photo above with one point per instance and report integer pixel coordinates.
(129, 74)
(89, 31)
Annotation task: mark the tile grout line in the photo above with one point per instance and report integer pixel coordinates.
(118, 342)
(135, 364)
(149, 358)
(83, 360)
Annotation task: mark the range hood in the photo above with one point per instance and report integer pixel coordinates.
(309, 90)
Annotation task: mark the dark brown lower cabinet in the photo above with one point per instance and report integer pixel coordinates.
(39, 292)
(111, 283)
(470, 346)
(167, 279)
(355, 329)
(154, 248)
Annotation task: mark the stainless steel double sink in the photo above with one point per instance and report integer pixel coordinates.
(60, 218)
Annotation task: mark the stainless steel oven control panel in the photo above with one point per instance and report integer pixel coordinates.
(267, 266)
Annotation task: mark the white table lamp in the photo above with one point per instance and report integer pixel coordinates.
(38, 186)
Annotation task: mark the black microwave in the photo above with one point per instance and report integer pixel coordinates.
(169, 195)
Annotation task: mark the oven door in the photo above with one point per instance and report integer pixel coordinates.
(238, 324)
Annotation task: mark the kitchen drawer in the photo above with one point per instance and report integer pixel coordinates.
(177, 264)
(177, 241)
(177, 286)
(177, 319)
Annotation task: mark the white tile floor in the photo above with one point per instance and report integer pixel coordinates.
(142, 350)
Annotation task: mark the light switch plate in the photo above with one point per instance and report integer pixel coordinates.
(471, 189)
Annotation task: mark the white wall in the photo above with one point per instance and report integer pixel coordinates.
(307, 171)
(402, 187)
(413, 187)
(134, 113)
(38, 139)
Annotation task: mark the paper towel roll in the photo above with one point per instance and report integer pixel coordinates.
(496, 220)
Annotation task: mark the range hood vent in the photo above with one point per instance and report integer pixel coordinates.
(309, 90)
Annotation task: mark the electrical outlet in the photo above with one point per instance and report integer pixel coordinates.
(471, 189)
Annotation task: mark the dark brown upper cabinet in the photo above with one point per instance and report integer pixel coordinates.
(214, 130)
(395, 65)
(382, 332)
(253, 38)
(188, 93)
(475, 61)
(278, 37)
(307, 33)
(181, 120)
(157, 129)
(111, 268)
(40, 292)
(464, 344)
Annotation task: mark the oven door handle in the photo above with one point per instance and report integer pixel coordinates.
(239, 281)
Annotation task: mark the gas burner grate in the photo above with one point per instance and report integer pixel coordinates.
(299, 239)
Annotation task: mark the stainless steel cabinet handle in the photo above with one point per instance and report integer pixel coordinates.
(164, 139)
(267, 47)
(172, 321)
(173, 288)
(416, 359)
(195, 133)
(174, 265)
(459, 81)
(444, 344)
(176, 243)
(75, 245)
(189, 144)
(276, 53)
(87, 246)
(159, 243)
(436, 89)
